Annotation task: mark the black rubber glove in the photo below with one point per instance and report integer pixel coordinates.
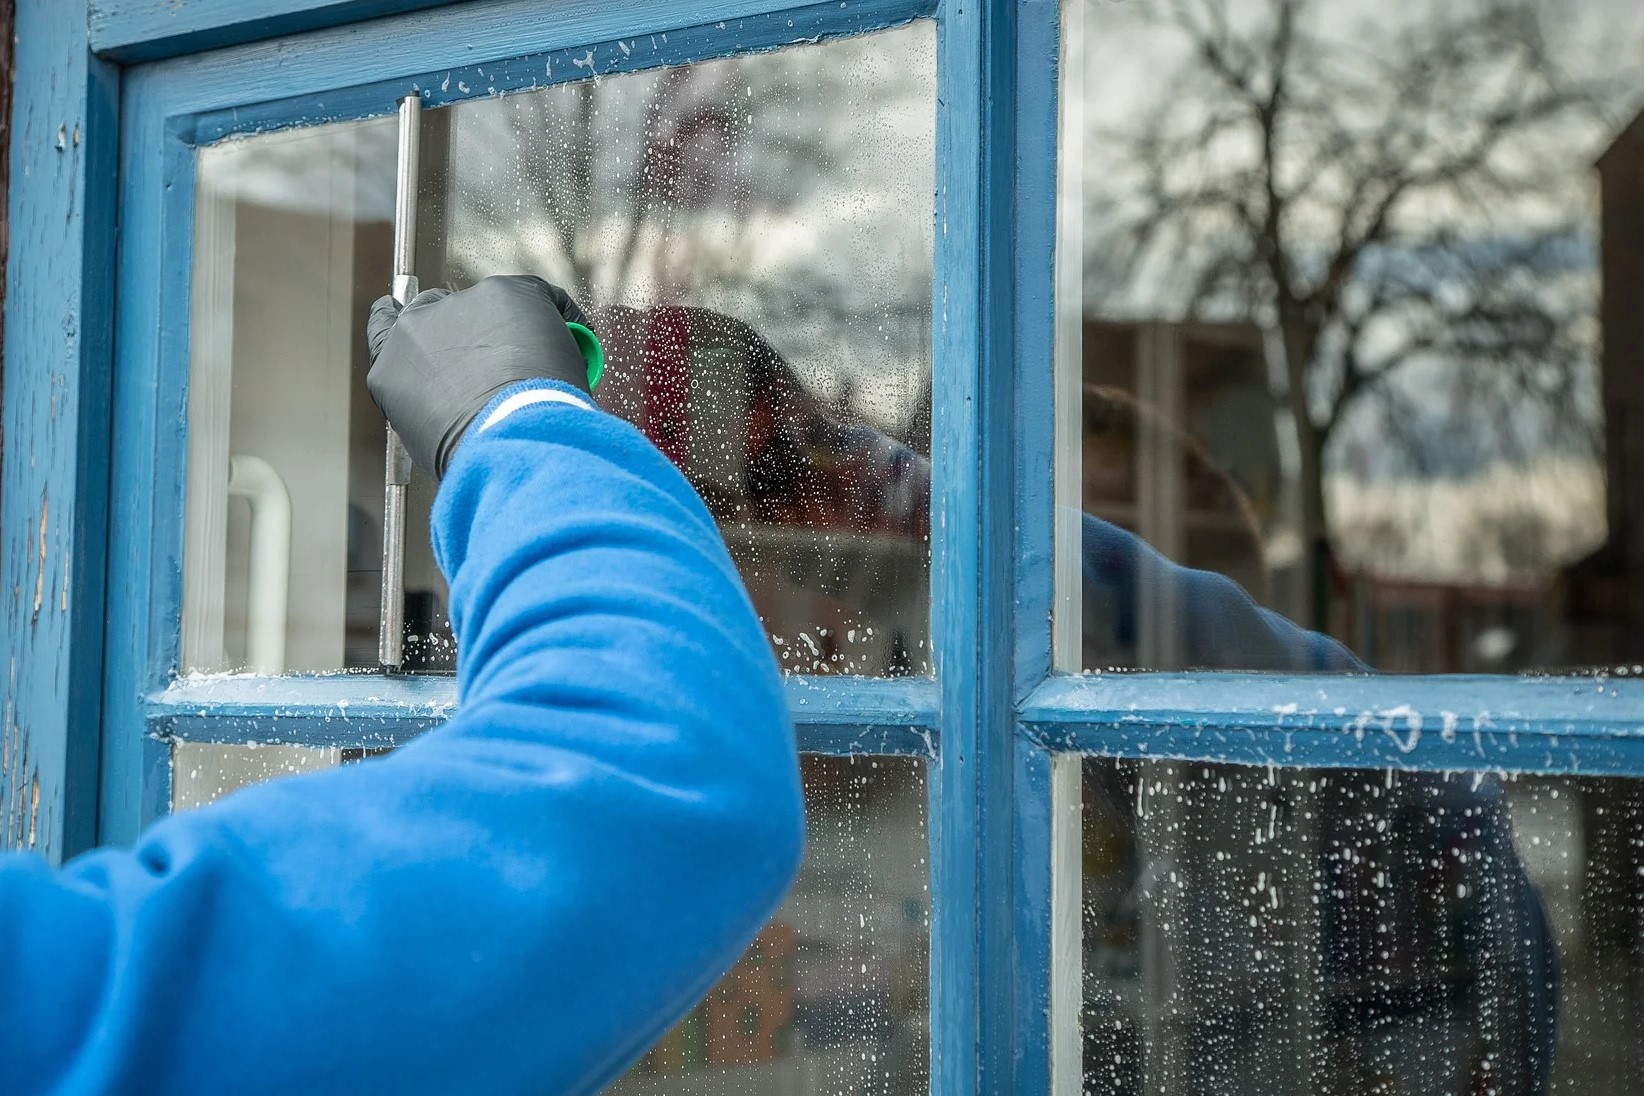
(436, 362)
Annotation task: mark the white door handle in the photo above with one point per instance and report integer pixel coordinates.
(255, 480)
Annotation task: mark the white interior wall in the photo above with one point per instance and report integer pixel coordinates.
(273, 334)
(290, 407)
(293, 335)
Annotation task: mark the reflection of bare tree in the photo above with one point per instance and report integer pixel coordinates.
(644, 188)
(770, 187)
(611, 169)
(1374, 204)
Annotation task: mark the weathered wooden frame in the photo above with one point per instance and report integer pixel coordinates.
(94, 423)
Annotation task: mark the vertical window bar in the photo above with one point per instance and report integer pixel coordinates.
(975, 1026)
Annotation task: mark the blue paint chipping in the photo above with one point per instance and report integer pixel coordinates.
(832, 715)
(1031, 955)
(150, 436)
(1035, 337)
(362, 70)
(57, 362)
(579, 60)
(1028, 1071)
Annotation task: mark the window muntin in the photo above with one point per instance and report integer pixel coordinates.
(762, 281)
(832, 996)
(1352, 332)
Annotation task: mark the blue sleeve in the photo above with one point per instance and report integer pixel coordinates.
(518, 901)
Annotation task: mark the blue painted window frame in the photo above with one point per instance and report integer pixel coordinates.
(994, 722)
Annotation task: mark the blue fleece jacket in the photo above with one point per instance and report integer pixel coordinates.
(519, 901)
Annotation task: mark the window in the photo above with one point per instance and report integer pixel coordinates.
(1181, 453)
(1353, 330)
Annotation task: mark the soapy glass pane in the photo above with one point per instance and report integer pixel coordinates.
(832, 996)
(1348, 317)
(752, 238)
(1321, 931)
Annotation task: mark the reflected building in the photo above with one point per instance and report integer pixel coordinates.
(1604, 599)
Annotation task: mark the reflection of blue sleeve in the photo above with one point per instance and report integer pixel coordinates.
(1513, 941)
(1216, 625)
(519, 901)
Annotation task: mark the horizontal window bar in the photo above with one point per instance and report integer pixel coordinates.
(360, 710)
(362, 70)
(832, 715)
(1538, 725)
(844, 715)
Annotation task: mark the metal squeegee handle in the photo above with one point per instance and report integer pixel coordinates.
(397, 465)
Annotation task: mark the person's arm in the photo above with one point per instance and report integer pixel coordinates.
(519, 901)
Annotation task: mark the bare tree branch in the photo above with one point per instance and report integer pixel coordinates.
(1373, 200)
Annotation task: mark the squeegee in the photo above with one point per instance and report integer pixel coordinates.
(397, 473)
(397, 470)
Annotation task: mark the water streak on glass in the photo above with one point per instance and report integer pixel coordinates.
(1356, 328)
(833, 996)
(753, 240)
(1337, 931)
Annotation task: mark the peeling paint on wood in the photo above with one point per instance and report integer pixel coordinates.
(19, 790)
(6, 21)
(55, 411)
(40, 574)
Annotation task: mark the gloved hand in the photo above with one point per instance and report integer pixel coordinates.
(436, 362)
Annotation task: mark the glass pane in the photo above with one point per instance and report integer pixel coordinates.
(753, 240)
(1352, 330)
(293, 235)
(832, 997)
(1331, 931)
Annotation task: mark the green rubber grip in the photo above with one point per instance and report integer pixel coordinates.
(592, 352)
